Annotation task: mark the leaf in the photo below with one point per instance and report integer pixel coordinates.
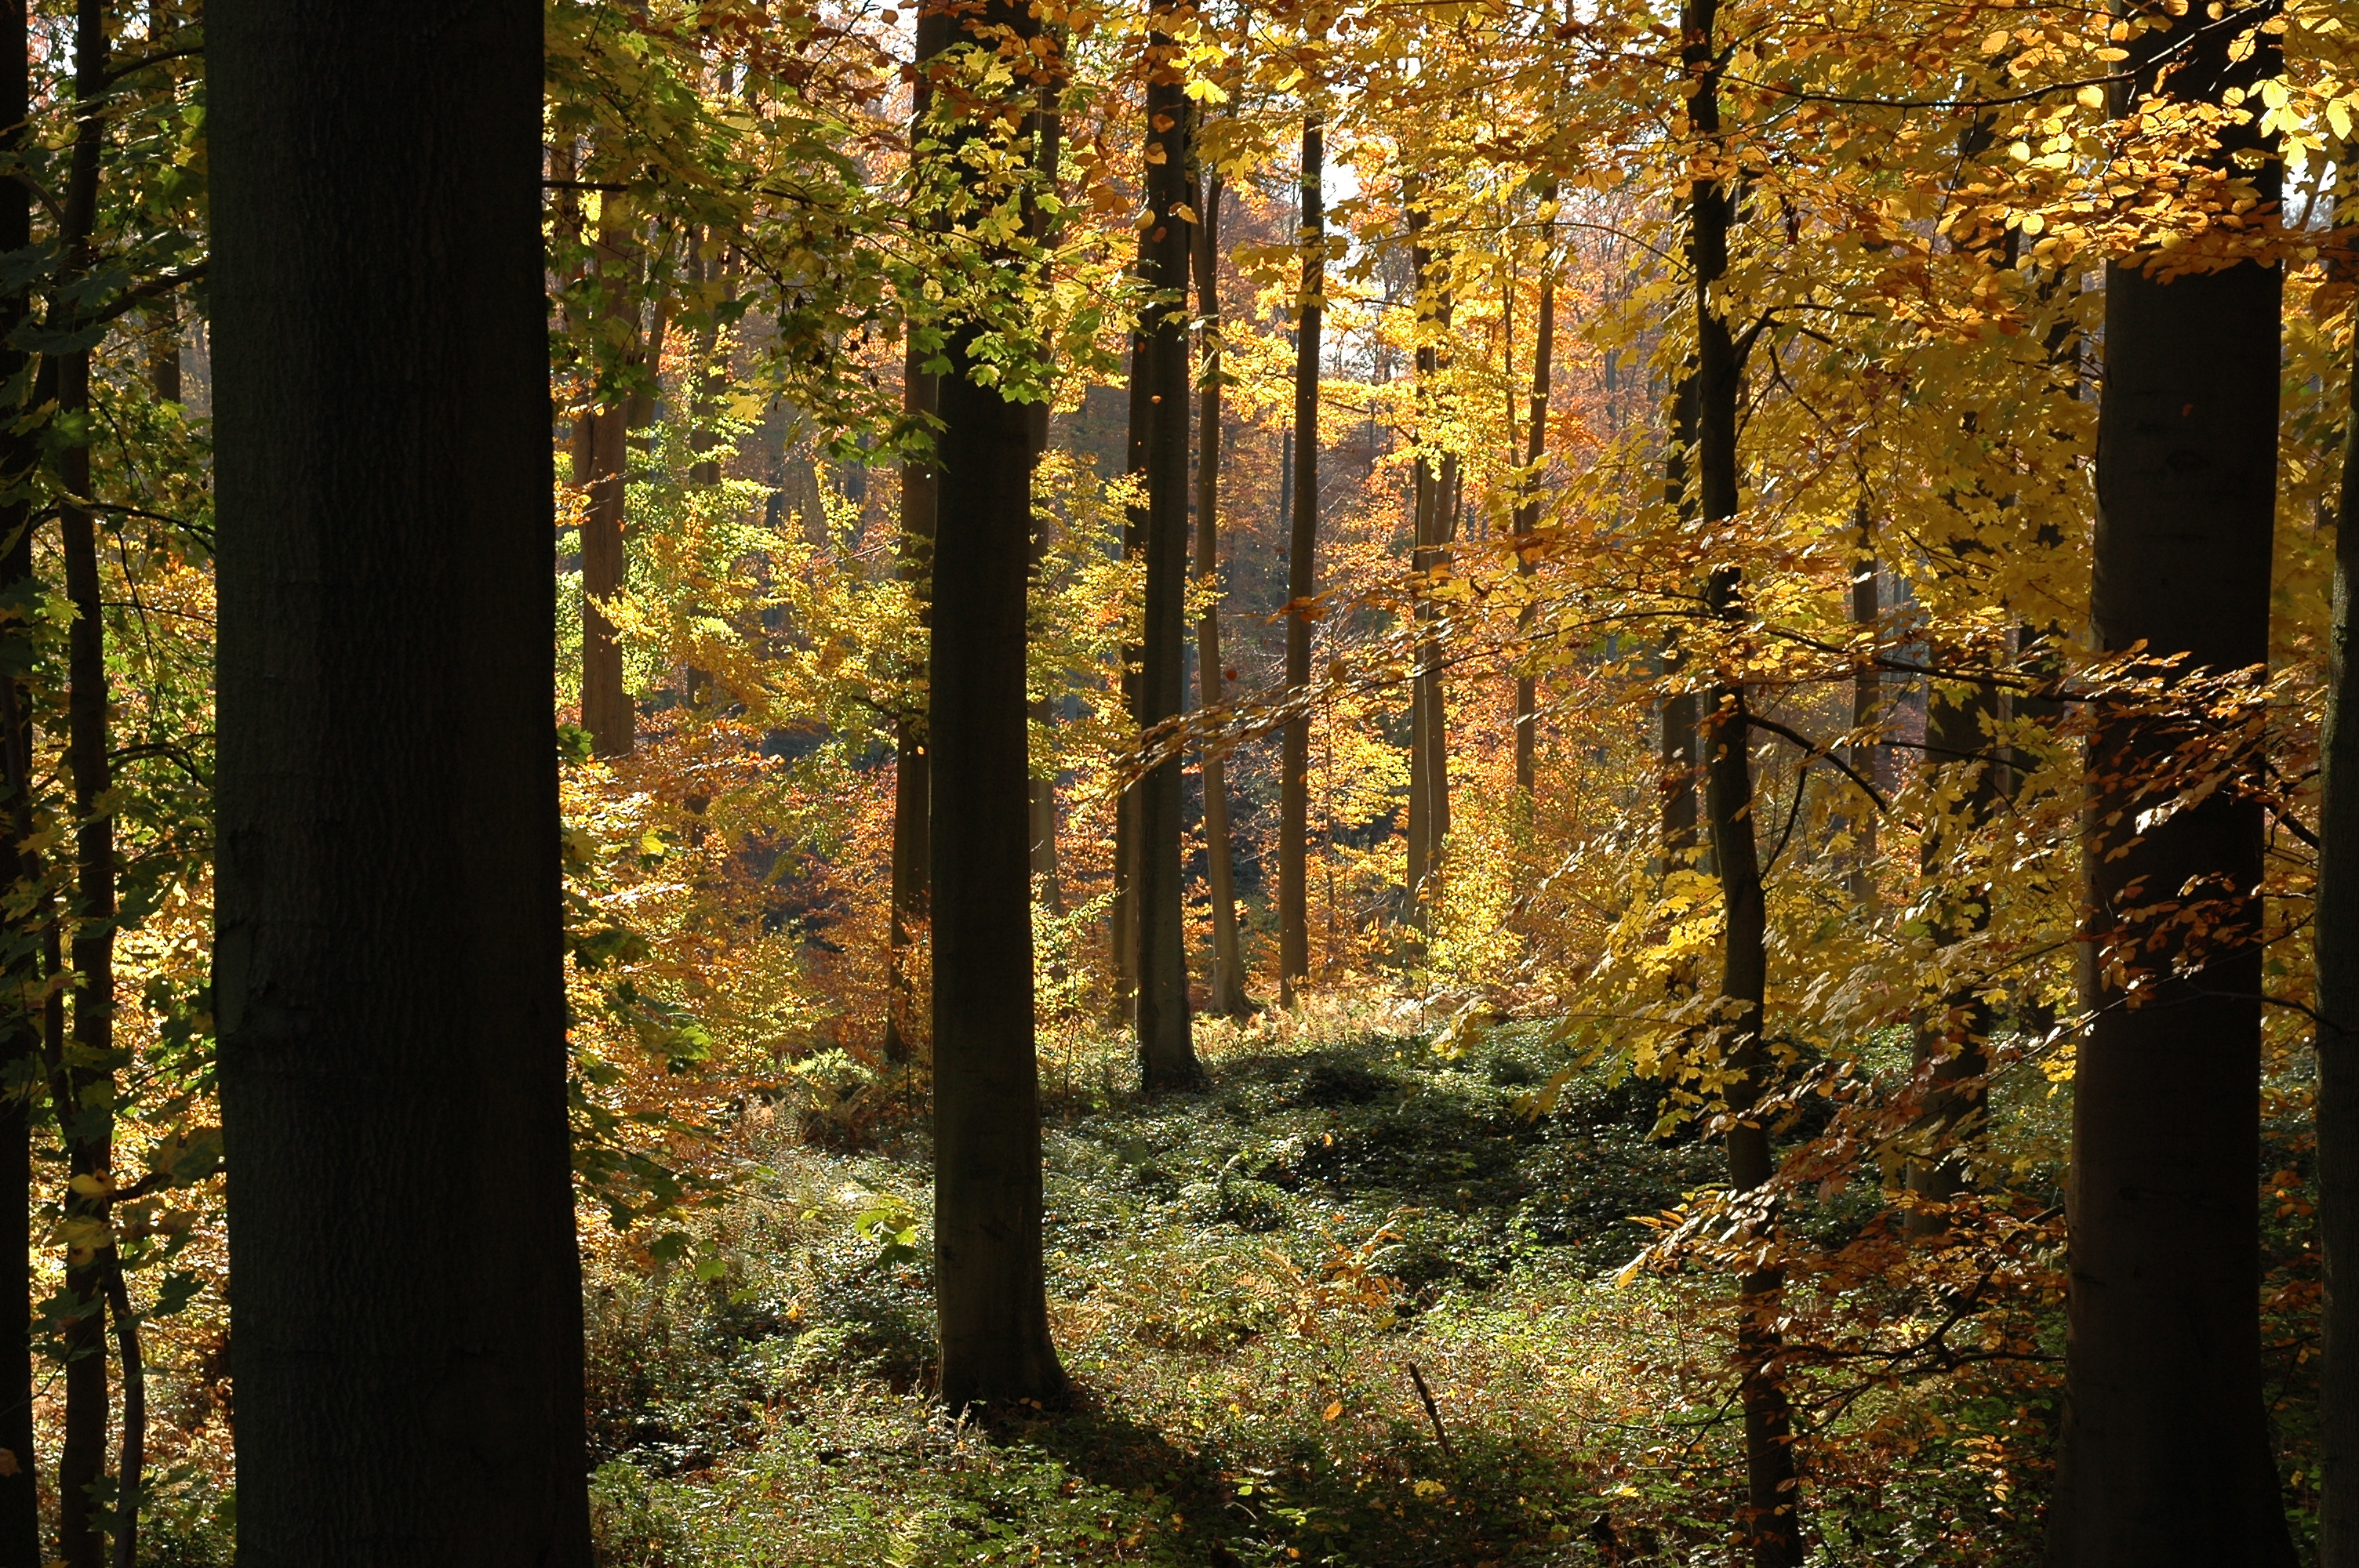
(1331, 1411)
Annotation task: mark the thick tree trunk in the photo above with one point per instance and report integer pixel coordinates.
(1301, 578)
(2336, 935)
(1774, 1513)
(2163, 1359)
(990, 1296)
(1228, 987)
(390, 948)
(1167, 1054)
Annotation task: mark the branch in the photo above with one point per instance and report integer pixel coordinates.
(1815, 751)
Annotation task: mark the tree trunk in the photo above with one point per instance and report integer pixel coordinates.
(390, 941)
(1866, 705)
(1301, 578)
(2336, 936)
(603, 439)
(1228, 987)
(1123, 915)
(990, 1295)
(1527, 514)
(2163, 1358)
(1773, 1519)
(1166, 1053)
(83, 1084)
(20, 1018)
(1681, 761)
(1429, 747)
(921, 490)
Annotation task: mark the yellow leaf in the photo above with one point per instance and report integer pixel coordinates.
(1995, 42)
(2091, 96)
(2338, 114)
(90, 1187)
(1330, 1414)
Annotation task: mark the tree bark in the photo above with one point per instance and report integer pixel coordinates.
(1166, 1053)
(1773, 1521)
(1679, 773)
(1302, 577)
(390, 948)
(991, 1299)
(1527, 514)
(2336, 935)
(2163, 1358)
(921, 491)
(604, 439)
(1866, 705)
(1228, 987)
(1429, 749)
(83, 1084)
(20, 938)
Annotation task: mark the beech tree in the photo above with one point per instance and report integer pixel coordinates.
(390, 940)
(2163, 1366)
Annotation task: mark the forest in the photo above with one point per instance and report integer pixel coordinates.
(1411, 784)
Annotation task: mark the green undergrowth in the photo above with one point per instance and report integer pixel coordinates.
(1254, 1289)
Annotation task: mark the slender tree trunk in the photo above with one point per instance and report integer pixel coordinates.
(132, 1463)
(20, 939)
(1124, 913)
(2163, 1355)
(1429, 752)
(1774, 1514)
(990, 1294)
(1866, 711)
(85, 1110)
(1228, 987)
(390, 942)
(603, 438)
(1681, 759)
(1528, 516)
(921, 490)
(1301, 578)
(2336, 935)
(1166, 1053)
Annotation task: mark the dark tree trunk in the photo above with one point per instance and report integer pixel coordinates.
(2337, 938)
(390, 940)
(1429, 747)
(2163, 1357)
(990, 1296)
(1167, 1054)
(1774, 1511)
(1123, 916)
(1528, 517)
(1228, 987)
(20, 939)
(82, 1084)
(602, 441)
(912, 768)
(1866, 704)
(1301, 578)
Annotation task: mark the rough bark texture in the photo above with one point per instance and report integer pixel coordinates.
(1302, 577)
(2337, 936)
(1428, 745)
(1228, 980)
(1773, 1518)
(389, 946)
(603, 438)
(989, 1297)
(2163, 1368)
(1167, 1054)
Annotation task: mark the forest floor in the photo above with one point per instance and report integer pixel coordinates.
(1356, 1303)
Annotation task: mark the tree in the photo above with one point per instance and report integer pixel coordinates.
(1228, 985)
(389, 990)
(2163, 1367)
(1166, 1053)
(2336, 940)
(991, 1298)
(1301, 574)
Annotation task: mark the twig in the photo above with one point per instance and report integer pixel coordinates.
(1433, 1412)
